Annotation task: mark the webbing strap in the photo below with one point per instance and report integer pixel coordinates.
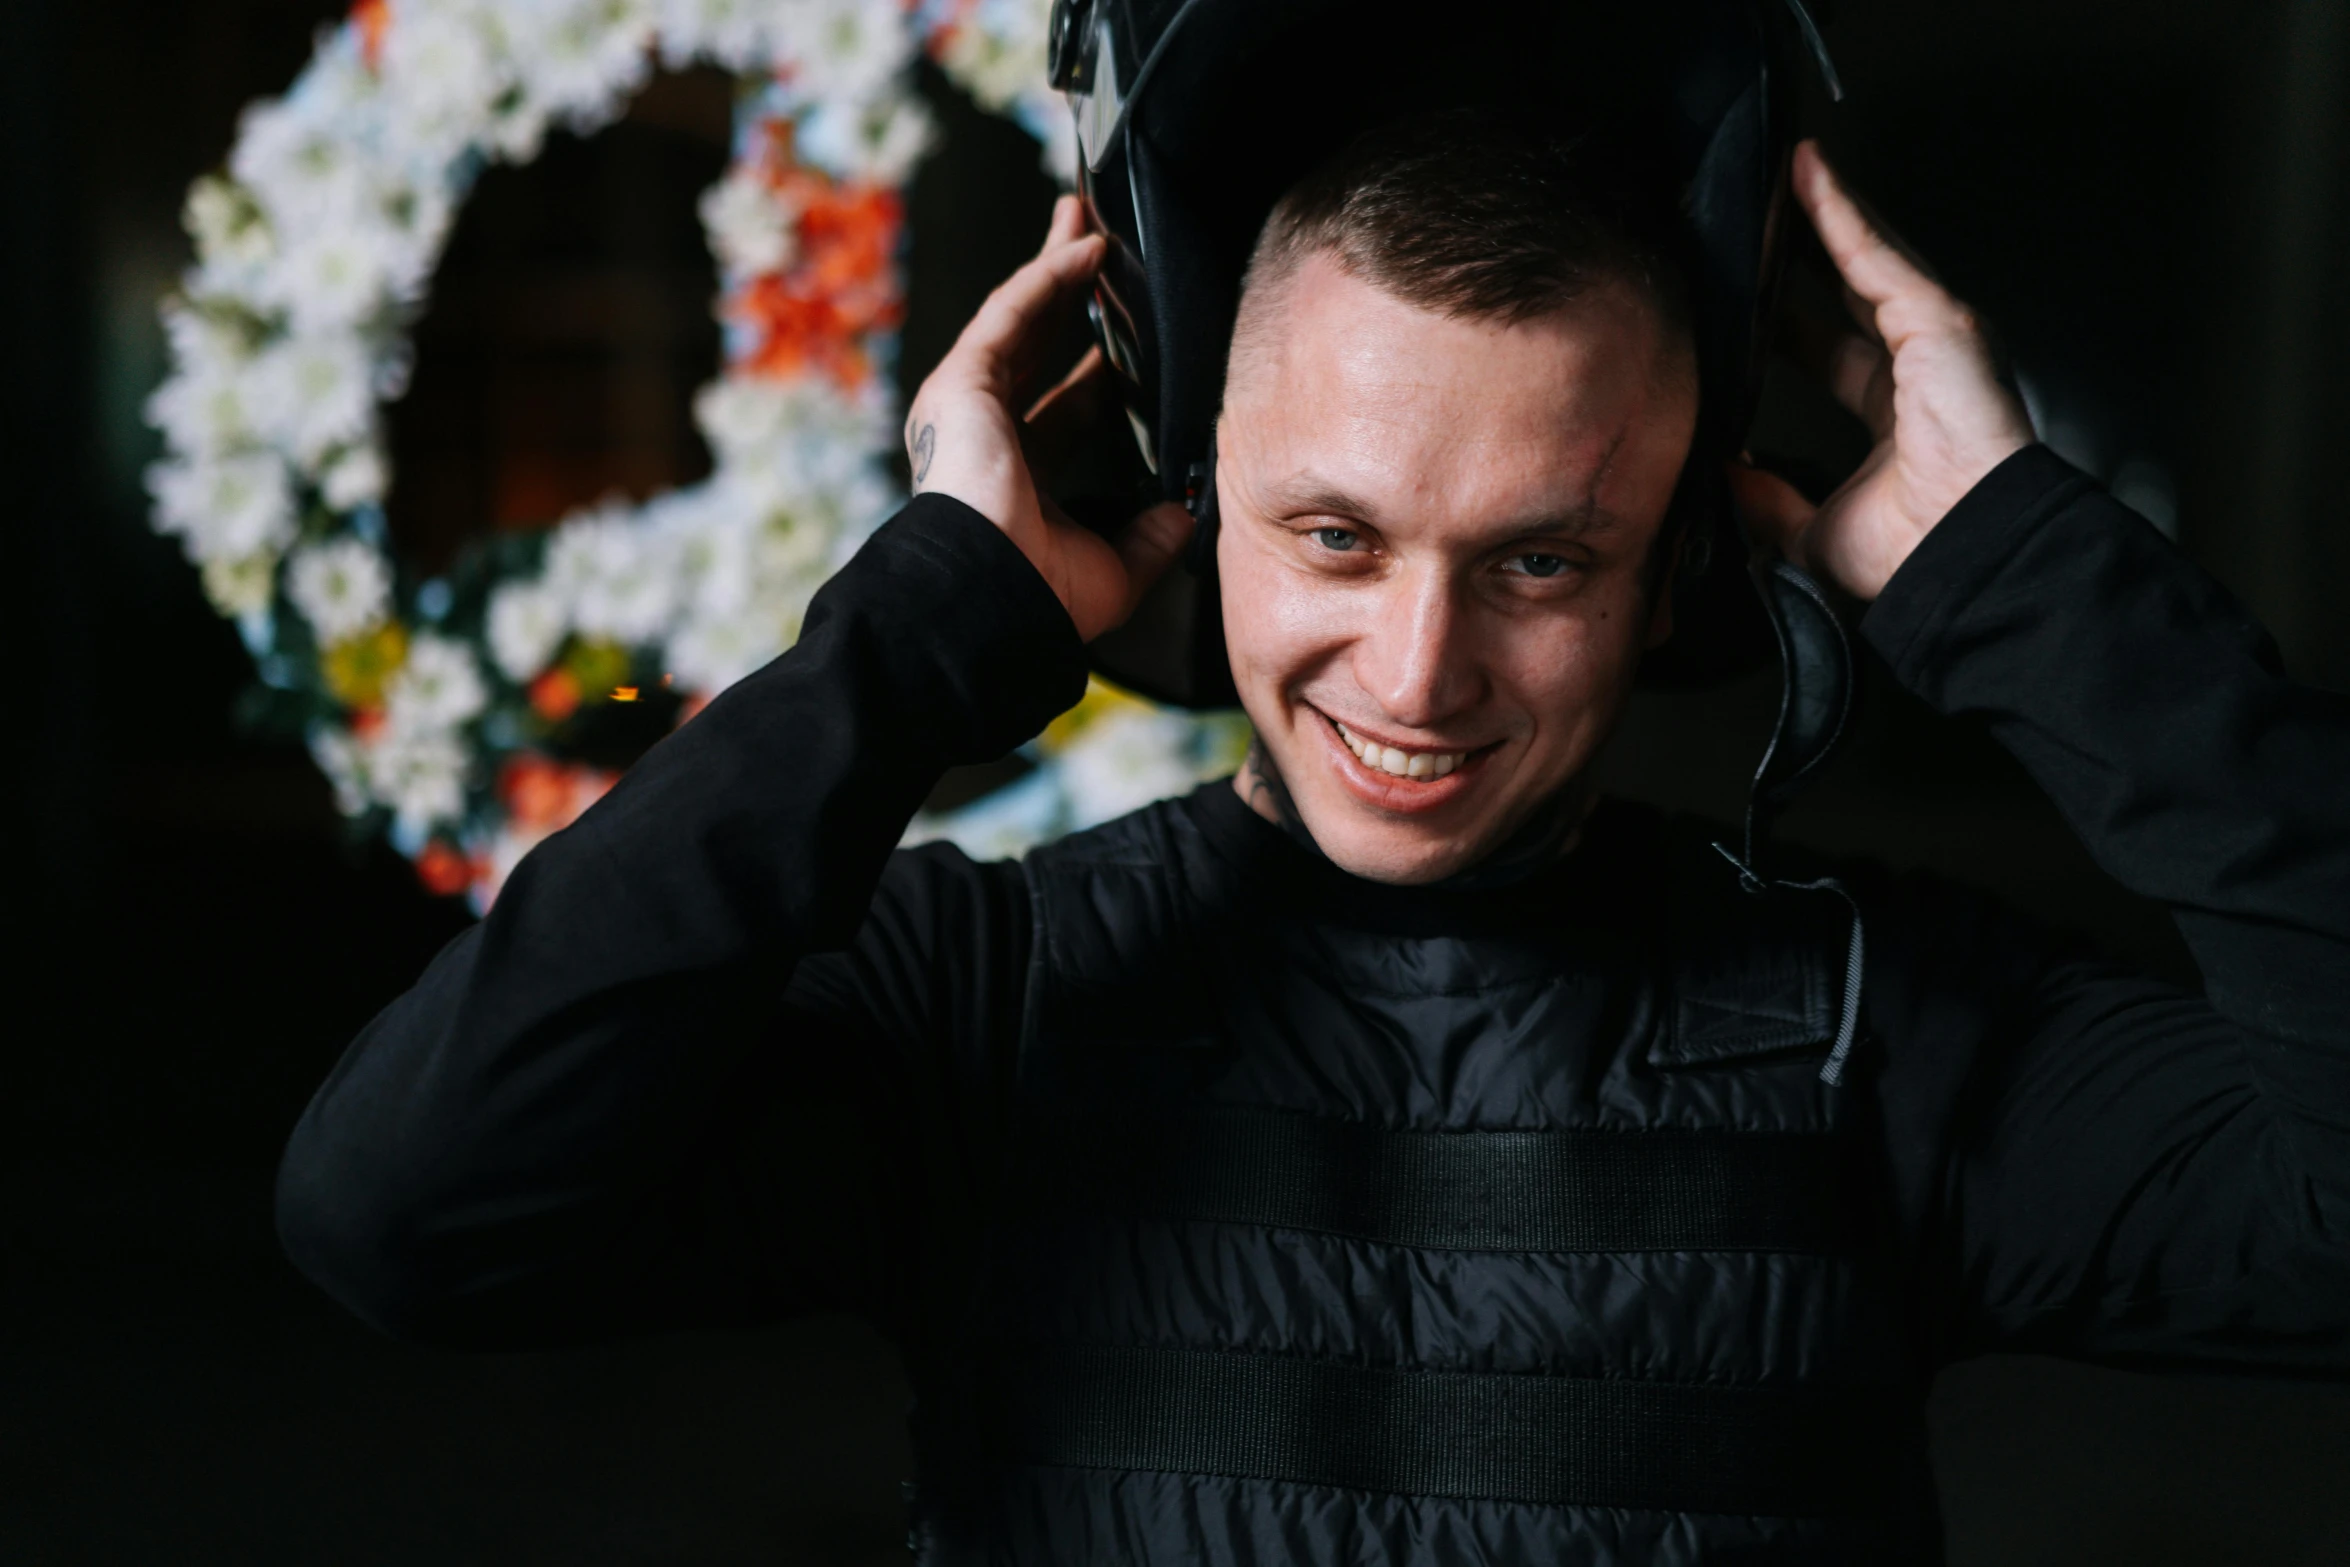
(1557, 1441)
(1551, 1191)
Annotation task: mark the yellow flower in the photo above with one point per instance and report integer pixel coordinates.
(1101, 699)
(358, 668)
(598, 666)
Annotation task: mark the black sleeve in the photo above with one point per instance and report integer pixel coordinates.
(2097, 1163)
(605, 1106)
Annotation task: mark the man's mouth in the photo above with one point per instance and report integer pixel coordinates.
(1399, 763)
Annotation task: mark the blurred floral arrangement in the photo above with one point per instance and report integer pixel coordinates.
(438, 706)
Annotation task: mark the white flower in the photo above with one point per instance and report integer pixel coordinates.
(750, 224)
(802, 443)
(357, 478)
(617, 579)
(337, 276)
(870, 139)
(202, 415)
(734, 33)
(208, 342)
(1048, 119)
(420, 774)
(341, 587)
(311, 394)
(526, 624)
(711, 652)
(579, 59)
(996, 51)
(842, 49)
(225, 507)
(344, 761)
(234, 243)
(1123, 761)
(439, 73)
(742, 416)
(205, 409)
(240, 587)
(416, 217)
(301, 169)
(437, 688)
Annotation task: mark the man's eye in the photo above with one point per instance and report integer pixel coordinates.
(1542, 565)
(1335, 538)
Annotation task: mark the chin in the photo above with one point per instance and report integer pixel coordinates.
(1403, 829)
(1399, 857)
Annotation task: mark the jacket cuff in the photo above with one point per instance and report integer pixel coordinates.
(966, 634)
(1969, 547)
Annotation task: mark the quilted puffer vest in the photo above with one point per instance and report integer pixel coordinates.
(1355, 1224)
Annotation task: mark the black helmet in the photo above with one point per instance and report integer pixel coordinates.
(1194, 116)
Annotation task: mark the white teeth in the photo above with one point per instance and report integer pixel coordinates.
(1400, 764)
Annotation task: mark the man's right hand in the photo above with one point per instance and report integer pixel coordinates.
(965, 436)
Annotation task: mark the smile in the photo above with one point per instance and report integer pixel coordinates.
(1397, 763)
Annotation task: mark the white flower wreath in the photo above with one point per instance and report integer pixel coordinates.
(436, 706)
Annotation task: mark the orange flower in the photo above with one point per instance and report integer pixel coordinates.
(371, 17)
(444, 869)
(536, 791)
(555, 695)
(815, 316)
(543, 795)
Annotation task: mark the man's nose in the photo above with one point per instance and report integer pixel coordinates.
(1414, 659)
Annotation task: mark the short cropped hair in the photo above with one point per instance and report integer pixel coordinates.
(1474, 214)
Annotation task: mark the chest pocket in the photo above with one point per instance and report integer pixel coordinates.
(1754, 974)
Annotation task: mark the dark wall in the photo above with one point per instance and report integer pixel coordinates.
(2146, 197)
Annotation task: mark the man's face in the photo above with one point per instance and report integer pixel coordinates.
(1435, 550)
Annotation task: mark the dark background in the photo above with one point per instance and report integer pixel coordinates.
(2149, 198)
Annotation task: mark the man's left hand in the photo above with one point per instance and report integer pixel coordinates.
(1919, 375)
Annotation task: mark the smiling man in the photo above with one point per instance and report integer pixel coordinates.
(1396, 1154)
(1452, 430)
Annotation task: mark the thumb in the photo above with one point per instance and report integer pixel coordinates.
(1773, 510)
(1149, 546)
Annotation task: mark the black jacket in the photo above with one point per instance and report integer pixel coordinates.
(720, 1054)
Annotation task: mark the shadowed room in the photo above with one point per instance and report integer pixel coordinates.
(2146, 203)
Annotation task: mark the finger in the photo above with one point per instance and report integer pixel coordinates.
(1067, 223)
(1150, 544)
(1773, 510)
(990, 345)
(1872, 266)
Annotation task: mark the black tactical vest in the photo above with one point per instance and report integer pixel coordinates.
(1354, 1224)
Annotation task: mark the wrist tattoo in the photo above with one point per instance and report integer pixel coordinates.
(925, 443)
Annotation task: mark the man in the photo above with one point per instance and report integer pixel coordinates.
(1396, 1155)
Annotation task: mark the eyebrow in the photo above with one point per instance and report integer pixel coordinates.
(1308, 495)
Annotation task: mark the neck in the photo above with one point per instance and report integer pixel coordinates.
(1547, 836)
